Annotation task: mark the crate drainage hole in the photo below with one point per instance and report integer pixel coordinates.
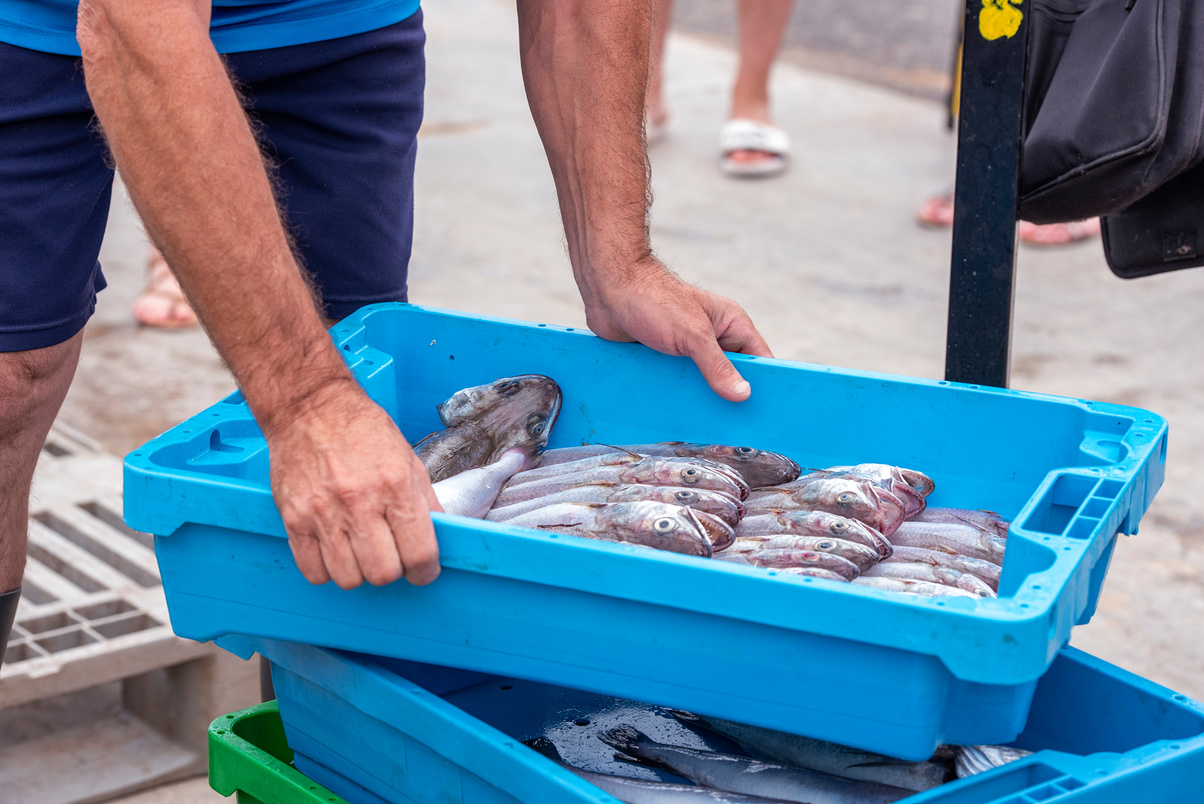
(581, 721)
(506, 687)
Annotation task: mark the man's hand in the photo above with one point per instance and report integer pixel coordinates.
(651, 305)
(354, 498)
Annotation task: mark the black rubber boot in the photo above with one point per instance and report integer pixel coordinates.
(8, 611)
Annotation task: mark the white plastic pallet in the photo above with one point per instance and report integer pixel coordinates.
(93, 676)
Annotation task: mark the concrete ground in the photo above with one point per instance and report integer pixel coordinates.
(827, 260)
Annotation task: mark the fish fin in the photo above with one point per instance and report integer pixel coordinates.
(623, 737)
(554, 527)
(418, 444)
(622, 449)
(621, 757)
(544, 746)
(684, 716)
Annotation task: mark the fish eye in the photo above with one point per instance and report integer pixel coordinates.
(810, 557)
(846, 497)
(664, 525)
(685, 496)
(691, 475)
(826, 544)
(839, 526)
(745, 451)
(507, 388)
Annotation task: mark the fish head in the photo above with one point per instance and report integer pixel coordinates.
(512, 412)
(854, 499)
(690, 474)
(664, 525)
(757, 467)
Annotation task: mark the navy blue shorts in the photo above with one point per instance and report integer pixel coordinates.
(340, 118)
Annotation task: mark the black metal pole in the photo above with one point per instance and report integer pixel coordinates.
(986, 195)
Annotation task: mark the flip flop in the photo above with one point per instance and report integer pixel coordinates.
(1058, 234)
(161, 302)
(742, 134)
(936, 211)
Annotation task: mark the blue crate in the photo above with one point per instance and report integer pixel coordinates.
(386, 730)
(632, 622)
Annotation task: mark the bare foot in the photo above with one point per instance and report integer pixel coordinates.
(161, 302)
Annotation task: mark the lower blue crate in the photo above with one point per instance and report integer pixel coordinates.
(385, 730)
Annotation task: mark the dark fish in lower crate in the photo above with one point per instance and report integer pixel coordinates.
(985, 571)
(813, 523)
(794, 558)
(827, 757)
(861, 555)
(973, 759)
(912, 587)
(757, 467)
(640, 791)
(919, 571)
(715, 503)
(652, 524)
(485, 421)
(644, 471)
(749, 776)
(965, 539)
(848, 497)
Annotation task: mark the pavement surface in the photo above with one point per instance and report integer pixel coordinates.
(827, 259)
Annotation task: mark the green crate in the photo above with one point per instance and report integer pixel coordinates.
(248, 755)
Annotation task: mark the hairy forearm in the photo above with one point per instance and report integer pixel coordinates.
(585, 65)
(188, 156)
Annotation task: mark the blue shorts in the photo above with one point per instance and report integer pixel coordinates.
(340, 118)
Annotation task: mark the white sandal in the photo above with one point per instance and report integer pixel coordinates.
(742, 134)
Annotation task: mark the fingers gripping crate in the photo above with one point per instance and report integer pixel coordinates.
(628, 621)
(378, 730)
(97, 695)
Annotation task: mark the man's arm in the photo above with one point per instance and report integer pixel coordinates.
(354, 498)
(585, 64)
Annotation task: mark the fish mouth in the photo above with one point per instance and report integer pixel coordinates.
(717, 532)
(913, 501)
(888, 502)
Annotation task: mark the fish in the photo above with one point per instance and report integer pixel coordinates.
(821, 755)
(909, 587)
(919, 571)
(651, 524)
(485, 421)
(812, 572)
(758, 467)
(602, 463)
(985, 571)
(973, 759)
(715, 503)
(794, 558)
(986, 521)
(749, 776)
(889, 478)
(472, 493)
(644, 471)
(917, 480)
(643, 791)
(820, 524)
(864, 557)
(965, 539)
(847, 497)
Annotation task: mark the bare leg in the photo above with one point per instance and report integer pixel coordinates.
(762, 24)
(658, 112)
(32, 387)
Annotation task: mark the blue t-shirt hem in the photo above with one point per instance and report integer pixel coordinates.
(282, 29)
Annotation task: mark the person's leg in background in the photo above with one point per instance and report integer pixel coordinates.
(762, 26)
(656, 116)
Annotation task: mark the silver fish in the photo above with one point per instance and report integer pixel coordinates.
(884, 476)
(972, 759)
(813, 572)
(758, 467)
(487, 420)
(715, 503)
(472, 493)
(604, 462)
(932, 574)
(813, 523)
(848, 497)
(908, 587)
(652, 524)
(986, 521)
(965, 539)
(821, 755)
(644, 471)
(794, 558)
(864, 557)
(985, 571)
(750, 776)
(917, 480)
(641, 791)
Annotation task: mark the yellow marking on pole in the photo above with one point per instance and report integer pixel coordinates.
(999, 18)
